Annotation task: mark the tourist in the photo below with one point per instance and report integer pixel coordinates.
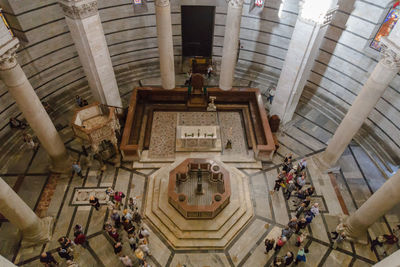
(309, 217)
(133, 241)
(379, 241)
(85, 102)
(301, 256)
(300, 181)
(78, 229)
(28, 139)
(287, 165)
(137, 218)
(287, 232)
(315, 209)
(17, 124)
(302, 223)
(209, 71)
(126, 260)
(80, 239)
(110, 193)
(144, 233)
(300, 239)
(290, 188)
(117, 248)
(290, 175)
(118, 196)
(188, 81)
(278, 262)
(127, 215)
(279, 182)
(113, 233)
(76, 167)
(128, 226)
(307, 201)
(280, 243)
(94, 202)
(339, 229)
(310, 191)
(288, 259)
(287, 157)
(269, 244)
(64, 253)
(302, 165)
(47, 259)
(116, 218)
(293, 225)
(143, 245)
(65, 242)
(300, 209)
(79, 101)
(340, 238)
(132, 204)
(271, 94)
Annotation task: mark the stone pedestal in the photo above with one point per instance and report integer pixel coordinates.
(384, 72)
(84, 23)
(231, 44)
(165, 43)
(34, 230)
(304, 47)
(29, 103)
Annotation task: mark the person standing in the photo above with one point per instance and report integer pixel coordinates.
(340, 238)
(79, 101)
(209, 71)
(76, 167)
(118, 196)
(47, 259)
(315, 209)
(64, 253)
(339, 229)
(117, 248)
(80, 239)
(288, 259)
(280, 243)
(301, 256)
(116, 218)
(94, 202)
(269, 244)
(300, 210)
(290, 188)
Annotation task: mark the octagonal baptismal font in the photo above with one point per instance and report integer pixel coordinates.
(198, 203)
(199, 188)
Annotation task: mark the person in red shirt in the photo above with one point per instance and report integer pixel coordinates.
(80, 239)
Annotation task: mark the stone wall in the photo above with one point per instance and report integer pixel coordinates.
(50, 60)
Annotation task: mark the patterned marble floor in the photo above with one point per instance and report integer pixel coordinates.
(358, 178)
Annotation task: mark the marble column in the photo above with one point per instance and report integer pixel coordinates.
(307, 37)
(29, 104)
(165, 43)
(383, 73)
(34, 230)
(231, 44)
(84, 23)
(376, 206)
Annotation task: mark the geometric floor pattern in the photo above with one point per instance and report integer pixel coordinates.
(357, 180)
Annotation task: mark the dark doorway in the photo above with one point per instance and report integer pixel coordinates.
(197, 30)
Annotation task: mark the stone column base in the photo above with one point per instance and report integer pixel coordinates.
(47, 231)
(62, 164)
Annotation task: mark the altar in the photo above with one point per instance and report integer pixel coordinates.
(198, 138)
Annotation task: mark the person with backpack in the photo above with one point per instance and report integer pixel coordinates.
(269, 244)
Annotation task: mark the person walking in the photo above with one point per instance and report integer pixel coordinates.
(118, 248)
(280, 243)
(126, 260)
(290, 188)
(64, 253)
(269, 244)
(301, 256)
(339, 229)
(76, 167)
(280, 181)
(94, 202)
(47, 259)
(288, 259)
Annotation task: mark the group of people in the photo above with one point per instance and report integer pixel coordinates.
(130, 220)
(293, 181)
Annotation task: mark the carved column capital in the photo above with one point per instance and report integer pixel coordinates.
(8, 59)
(390, 57)
(235, 3)
(161, 3)
(79, 9)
